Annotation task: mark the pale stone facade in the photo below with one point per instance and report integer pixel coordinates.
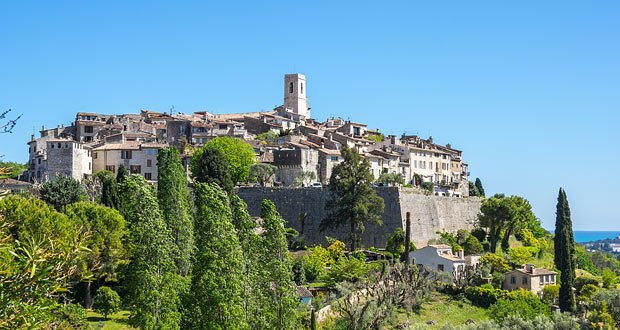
(137, 157)
(529, 278)
(439, 258)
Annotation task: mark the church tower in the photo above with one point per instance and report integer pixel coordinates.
(295, 94)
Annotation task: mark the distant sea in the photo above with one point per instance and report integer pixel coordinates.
(589, 236)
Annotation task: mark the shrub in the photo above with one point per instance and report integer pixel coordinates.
(62, 191)
(73, 316)
(484, 296)
(348, 269)
(524, 303)
(479, 233)
(106, 301)
(428, 186)
(522, 255)
(551, 293)
(612, 299)
(299, 273)
(610, 280)
(495, 262)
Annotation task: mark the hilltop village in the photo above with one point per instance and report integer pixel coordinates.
(286, 137)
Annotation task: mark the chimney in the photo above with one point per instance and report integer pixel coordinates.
(530, 268)
(462, 254)
(448, 145)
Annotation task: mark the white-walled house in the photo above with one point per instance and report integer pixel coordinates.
(439, 258)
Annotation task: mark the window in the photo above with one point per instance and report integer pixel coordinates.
(148, 163)
(290, 88)
(67, 145)
(513, 280)
(302, 88)
(147, 176)
(223, 126)
(135, 169)
(440, 268)
(149, 151)
(542, 279)
(59, 145)
(89, 139)
(110, 168)
(524, 280)
(95, 155)
(88, 129)
(39, 160)
(126, 154)
(334, 158)
(89, 166)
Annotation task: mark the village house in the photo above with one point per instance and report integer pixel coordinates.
(529, 278)
(439, 258)
(137, 157)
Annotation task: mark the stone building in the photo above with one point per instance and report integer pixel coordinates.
(137, 157)
(529, 278)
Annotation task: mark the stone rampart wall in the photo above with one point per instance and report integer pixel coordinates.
(429, 214)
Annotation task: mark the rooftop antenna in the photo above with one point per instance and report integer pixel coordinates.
(172, 110)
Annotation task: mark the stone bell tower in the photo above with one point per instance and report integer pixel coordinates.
(295, 94)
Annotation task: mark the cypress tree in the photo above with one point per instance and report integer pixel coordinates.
(280, 310)
(218, 268)
(174, 204)
(151, 282)
(109, 191)
(479, 187)
(313, 320)
(564, 253)
(211, 166)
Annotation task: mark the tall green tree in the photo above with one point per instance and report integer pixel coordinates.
(239, 154)
(109, 189)
(565, 253)
(62, 191)
(353, 202)
(210, 165)
(105, 242)
(479, 187)
(218, 268)
(174, 204)
(281, 309)
(504, 216)
(152, 282)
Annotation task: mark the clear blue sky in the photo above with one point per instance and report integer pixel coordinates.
(530, 90)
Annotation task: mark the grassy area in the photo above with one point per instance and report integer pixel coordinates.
(444, 310)
(117, 321)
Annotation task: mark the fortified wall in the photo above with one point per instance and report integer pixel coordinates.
(429, 214)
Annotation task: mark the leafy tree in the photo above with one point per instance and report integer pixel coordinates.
(504, 216)
(218, 268)
(349, 269)
(473, 191)
(261, 172)
(551, 293)
(107, 302)
(105, 242)
(495, 263)
(210, 165)
(391, 178)
(583, 280)
(304, 178)
(610, 280)
(479, 233)
(472, 245)
(316, 261)
(586, 293)
(281, 309)
(565, 253)
(353, 202)
(523, 255)
(239, 154)
(479, 187)
(299, 274)
(174, 204)
(38, 251)
(266, 136)
(62, 191)
(583, 261)
(601, 319)
(121, 174)
(151, 283)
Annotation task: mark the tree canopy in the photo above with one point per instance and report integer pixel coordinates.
(239, 154)
(353, 202)
(62, 191)
(261, 173)
(210, 165)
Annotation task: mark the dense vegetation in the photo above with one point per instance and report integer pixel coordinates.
(189, 256)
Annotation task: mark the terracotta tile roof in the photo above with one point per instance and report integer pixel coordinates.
(537, 272)
(303, 292)
(330, 151)
(14, 182)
